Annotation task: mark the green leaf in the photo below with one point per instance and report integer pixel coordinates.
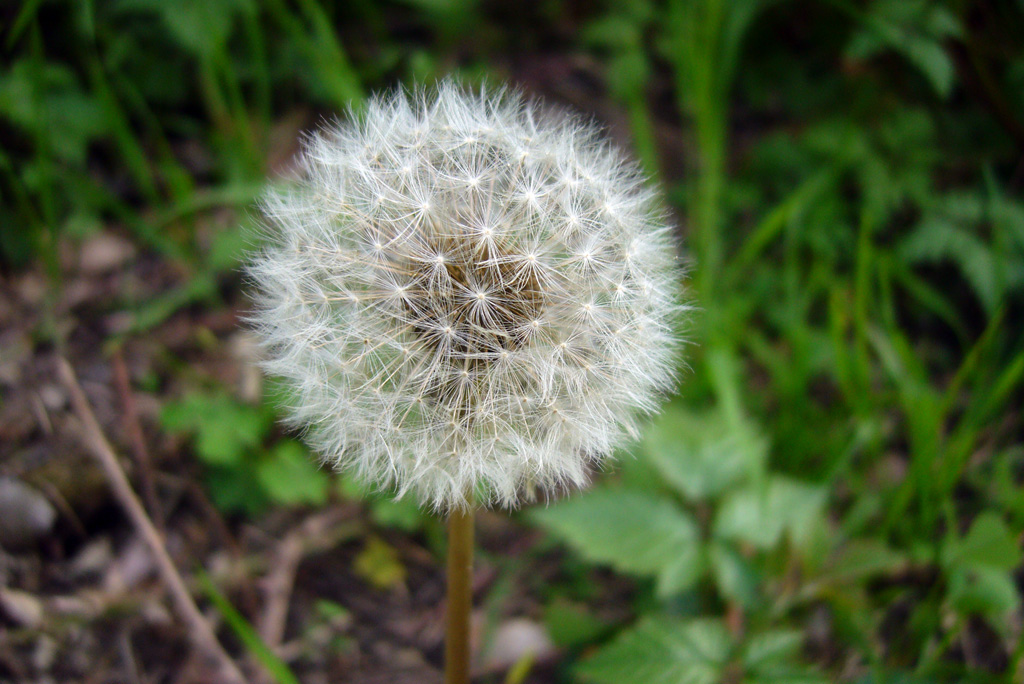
(979, 567)
(939, 238)
(760, 514)
(611, 32)
(224, 428)
(236, 490)
(933, 61)
(404, 513)
(662, 651)
(772, 647)
(861, 559)
(200, 26)
(735, 577)
(701, 455)
(628, 73)
(48, 95)
(916, 29)
(985, 591)
(571, 625)
(631, 531)
(772, 658)
(989, 543)
(289, 475)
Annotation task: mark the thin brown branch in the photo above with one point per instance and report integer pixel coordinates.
(316, 533)
(133, 429)
(199, 630)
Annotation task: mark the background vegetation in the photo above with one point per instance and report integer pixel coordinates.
(835, 495)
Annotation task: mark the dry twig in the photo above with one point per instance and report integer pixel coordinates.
(199, 630)
(122, 381)
(318, 532)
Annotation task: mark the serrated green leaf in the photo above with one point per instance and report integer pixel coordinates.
(939, 238)
(662, 651)
(771, 647)
(735, 577)
(915, 29)
(761, 513)
(701, 455)
(633, 532)
(289, 475)
(773, 658)
(861, 559)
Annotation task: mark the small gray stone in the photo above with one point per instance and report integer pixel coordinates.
(25, 514)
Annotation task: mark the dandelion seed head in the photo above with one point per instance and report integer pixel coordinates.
(467, 293)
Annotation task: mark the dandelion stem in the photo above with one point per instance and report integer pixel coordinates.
(460, 595)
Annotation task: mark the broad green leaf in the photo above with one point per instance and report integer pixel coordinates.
(404, 513)
(772, 647)
(200, 26)
(773, 658)
(701, 455)
(979, 567)
(289, 475)
(48, 95)
(989, 543)
(985, 591)
(571, 625)
(224, 428)
(236, 490)
(761, 513)
(662, 651)
(631, 531)
(665, 651)
(735, 577)
(861, 559)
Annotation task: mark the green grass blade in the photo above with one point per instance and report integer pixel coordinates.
(245, 632)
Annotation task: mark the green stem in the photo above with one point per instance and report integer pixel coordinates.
(460, 596)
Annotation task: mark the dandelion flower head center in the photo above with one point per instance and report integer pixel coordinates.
(482, 301)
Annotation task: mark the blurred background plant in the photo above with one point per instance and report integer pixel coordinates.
(836, 494)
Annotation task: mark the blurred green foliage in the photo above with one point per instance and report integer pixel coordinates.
(840, 482)
(244, 474)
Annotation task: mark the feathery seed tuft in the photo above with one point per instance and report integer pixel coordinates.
(466, 292)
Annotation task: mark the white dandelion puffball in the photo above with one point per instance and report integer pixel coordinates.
(467, 293)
